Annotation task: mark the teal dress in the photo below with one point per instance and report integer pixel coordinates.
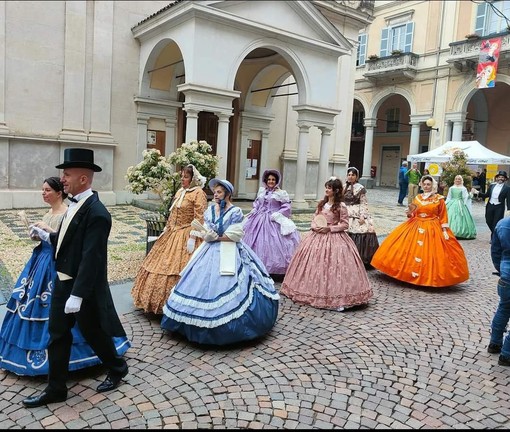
(460, 218)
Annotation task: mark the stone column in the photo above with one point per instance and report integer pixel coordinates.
(457, 130)
(75, 47)
(101, 97)
(241, 178)
(323, 161)
(414, 144)
(222, 143)
(366, 180)
(264, 147)
(170, 144)
(299, 196)
(141, 141)
(3, 127)
(191, 124)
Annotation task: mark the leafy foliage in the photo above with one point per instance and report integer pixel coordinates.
(161, 175)
(455, 166)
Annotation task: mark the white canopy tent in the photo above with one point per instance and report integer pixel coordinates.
(476, 153)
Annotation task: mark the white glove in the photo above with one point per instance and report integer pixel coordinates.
(190, 245)
(73, 304)
(445, 235)
(36, 232)
(211, 236)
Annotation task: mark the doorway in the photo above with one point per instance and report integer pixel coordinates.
(390, 164)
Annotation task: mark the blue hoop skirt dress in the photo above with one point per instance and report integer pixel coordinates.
(24, 335)
(212, 308)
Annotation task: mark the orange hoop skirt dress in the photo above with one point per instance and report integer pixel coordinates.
(417, 252)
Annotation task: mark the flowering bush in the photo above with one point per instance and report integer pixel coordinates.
(161, 175)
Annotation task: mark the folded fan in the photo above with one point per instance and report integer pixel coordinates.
(196, 225)
(23, 217)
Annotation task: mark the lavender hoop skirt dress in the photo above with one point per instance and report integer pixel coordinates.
(209, 308)
(24, 336)
(263, 230)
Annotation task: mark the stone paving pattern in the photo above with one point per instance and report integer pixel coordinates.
(414, 358)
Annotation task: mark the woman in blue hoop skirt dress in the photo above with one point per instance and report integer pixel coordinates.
(24, 335)
(225, 294)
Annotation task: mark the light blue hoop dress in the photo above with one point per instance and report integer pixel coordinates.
(225, 294)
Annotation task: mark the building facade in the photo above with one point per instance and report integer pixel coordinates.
(267, 84)
(417, 87)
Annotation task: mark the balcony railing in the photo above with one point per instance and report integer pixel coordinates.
(464, 54)
(400, 67)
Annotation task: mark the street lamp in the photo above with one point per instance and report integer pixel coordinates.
(431, 122)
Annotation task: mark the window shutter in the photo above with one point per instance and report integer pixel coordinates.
(384, 42)
(481, 17)
(362, 49)
(408, 47)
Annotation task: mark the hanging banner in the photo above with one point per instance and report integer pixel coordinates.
(488, 63)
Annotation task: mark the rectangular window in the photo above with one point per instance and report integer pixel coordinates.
(362, 49)
(392, 119)
(491, 17)
(397, 37)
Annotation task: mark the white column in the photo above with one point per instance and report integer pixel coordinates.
(299, 196)
(170, 144)
(222, 144)
(191, 124)
(264, 150)
(414, 144)
(323, 174)
(369, 144)
(241, 178)
(457, 131)
(141, 141)
(101, 97)
(73, 126)
(448, 133)
(3, 126)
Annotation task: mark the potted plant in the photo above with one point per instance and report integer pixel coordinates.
(373, 57)
(396, 52)
(472, 36)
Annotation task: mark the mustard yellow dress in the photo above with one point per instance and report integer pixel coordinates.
(417, 251)
(160, 269)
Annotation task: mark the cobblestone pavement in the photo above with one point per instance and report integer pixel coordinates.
(413, 358)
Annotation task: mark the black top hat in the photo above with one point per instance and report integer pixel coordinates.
(79, 158)
(502, 173)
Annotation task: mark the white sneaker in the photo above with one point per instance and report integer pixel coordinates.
(340, 309)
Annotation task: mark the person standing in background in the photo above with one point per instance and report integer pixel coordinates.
(413, 176)
(498, 194)
(361, 226)
(482, 180)
(403, 183)
(81, 293)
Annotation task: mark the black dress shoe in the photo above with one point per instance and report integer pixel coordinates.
(112, 381)
(494, 348)
(44, 398)
(503, 360)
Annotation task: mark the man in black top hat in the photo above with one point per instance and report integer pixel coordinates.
(498, 193)
(81, 293)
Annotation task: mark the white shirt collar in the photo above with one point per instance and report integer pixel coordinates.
(81, 196)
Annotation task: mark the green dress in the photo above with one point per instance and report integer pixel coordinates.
(460, 218)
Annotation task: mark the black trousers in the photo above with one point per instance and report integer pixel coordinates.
(61, 338)
(493, 214)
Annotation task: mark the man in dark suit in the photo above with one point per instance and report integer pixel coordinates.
(81, 292)
(498, 193)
